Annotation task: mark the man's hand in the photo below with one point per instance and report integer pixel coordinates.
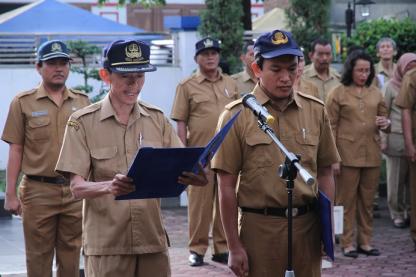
(238, 261)
(190, 178)
(382, 122)
(12, 204)
(120, 185)
(336, 168)
(411, 152)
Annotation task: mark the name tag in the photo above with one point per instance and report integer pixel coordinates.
(39, 113)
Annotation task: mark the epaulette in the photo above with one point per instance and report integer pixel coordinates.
(231, 105)
(87, 110)
(305, 95)
(184, 81)
(78, 92)
(24, 93)
(150, 106)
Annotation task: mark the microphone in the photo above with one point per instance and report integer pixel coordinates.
(249, 101)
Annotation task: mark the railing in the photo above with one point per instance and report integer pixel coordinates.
(20, 50)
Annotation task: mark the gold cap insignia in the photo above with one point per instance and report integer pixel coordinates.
(279, 38)
(133, 51)
(208, 43)
(56, 47)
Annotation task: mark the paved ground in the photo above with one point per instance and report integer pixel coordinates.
(398, 255)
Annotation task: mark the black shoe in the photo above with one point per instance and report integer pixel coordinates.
(220, 258)
(399, 223)
(350, 254)
(371, 252)
(195, 259)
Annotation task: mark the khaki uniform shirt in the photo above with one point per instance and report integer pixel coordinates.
(303, 127)
(245, 84)
(308, 87)
(324, 87)
(199, 102)
(353, 120)
(382, 77)
(38, 124)
(407, 97)
(97, 147)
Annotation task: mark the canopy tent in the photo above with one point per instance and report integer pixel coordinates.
(51, 17)
(272, 20)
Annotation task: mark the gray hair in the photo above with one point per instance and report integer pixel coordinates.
(386, 39)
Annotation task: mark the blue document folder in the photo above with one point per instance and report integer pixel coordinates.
(155, 171)
(326, 224)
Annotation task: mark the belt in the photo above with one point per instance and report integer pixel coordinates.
(282, 212)
(51, 180)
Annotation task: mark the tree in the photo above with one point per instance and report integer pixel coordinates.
(218, 20)
(367, 34)
(85, 51)
(308, 20)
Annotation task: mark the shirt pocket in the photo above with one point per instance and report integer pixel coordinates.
(104, 161)
(39, 128)
(259, 152)
(308, 146)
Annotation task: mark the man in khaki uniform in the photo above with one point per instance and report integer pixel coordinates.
(246, 81)
(320, 72)
(121, 238)
(198, 103)
(34, 130)
(259, 246)
(407, 101)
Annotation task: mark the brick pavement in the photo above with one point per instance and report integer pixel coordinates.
(398, 255)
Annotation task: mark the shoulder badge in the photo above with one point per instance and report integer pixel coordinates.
(74, 124)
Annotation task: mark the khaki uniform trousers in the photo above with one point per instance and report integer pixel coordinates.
(355, 189)
(52, 222)
(140, 265)
(203, 209)
(412, 184)
(397, 186)
(265, 240)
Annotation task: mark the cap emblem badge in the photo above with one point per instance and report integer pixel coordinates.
(56, 47)
(279, 38)
(208, 43)
(133, 51)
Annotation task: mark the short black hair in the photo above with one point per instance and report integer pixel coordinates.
(259, 60)
(349, 65)
(320, 41)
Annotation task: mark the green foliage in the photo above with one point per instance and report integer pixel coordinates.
(221, 20)
(84, 51)
(144, 3)
(367, 34)
(308, 20)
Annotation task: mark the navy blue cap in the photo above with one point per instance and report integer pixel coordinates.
(277, 43)
(207, 43)
(52, 49)
(127, 56)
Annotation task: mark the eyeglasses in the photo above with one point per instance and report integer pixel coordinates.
(365, 71)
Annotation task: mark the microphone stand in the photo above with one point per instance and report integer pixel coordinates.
(288, 171)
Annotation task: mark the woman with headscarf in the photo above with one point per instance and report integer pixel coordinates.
(393, 148)
(357, 112)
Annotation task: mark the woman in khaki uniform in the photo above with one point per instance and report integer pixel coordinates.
(397, 164)
(357, 112)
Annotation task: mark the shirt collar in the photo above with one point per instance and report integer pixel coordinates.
(107, 110)
(262, 97)
(201, 77)
(42, 93)
(311, 72)
(246, 77)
